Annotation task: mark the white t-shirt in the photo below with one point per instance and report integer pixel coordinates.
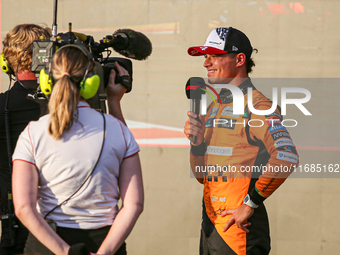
(63, 165)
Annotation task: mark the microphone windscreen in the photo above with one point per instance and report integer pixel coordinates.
(194, 88)
(136, 46)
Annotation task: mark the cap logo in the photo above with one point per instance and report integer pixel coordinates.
(234, 48)
(222, 32)
(204, 48)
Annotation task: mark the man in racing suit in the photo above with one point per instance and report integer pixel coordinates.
(240, 159)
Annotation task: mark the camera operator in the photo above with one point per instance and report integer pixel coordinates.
(17, 50)
(72, 166)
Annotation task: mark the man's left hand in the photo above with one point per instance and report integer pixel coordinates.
(239, 217)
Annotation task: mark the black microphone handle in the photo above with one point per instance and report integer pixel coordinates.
(195, 107)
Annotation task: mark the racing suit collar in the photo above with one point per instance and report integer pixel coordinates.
(226, 95)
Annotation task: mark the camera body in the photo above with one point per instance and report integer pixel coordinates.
(44, 49)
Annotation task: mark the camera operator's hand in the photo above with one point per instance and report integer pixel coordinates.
(115, 93)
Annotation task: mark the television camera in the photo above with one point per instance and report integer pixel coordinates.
(127, 42)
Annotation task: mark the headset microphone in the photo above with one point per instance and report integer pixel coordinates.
(194, 90)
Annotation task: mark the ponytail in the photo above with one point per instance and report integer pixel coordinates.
(68, 68)
(62, 106)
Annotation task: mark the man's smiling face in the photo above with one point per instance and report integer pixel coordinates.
(221, 67)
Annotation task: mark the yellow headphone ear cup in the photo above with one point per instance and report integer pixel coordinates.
(45, 82)
(90, 87)
(4, 65)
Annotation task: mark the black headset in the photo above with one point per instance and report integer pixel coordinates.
(88, 86)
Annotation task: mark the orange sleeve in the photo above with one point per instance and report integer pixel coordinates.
(197, 155)
(196, 163)
(283, 157)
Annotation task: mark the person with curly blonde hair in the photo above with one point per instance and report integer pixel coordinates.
(15, 113)
(17, 45)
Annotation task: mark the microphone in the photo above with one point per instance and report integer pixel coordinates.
(130, 43)
(194, 91)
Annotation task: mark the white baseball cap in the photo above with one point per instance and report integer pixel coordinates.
(224, 40)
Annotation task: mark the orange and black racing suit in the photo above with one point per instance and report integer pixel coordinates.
(244, 154)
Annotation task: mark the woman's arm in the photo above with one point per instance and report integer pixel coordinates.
(115, 92)
(132, 194)
(25, 189)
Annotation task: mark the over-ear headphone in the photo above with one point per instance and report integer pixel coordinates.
(88, 86)
(4, 65)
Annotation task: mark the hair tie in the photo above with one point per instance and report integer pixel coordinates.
(66, 73)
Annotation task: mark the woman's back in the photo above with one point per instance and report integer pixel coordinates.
(64, 164)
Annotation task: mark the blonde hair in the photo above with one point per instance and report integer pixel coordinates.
(20, 38)
(68, 69)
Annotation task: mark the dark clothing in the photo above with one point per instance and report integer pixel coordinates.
(93, 238)
(211, 243)
(20, 240)
(21, 111)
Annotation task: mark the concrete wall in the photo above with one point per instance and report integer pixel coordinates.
(294, 39)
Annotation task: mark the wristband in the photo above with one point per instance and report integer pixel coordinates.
(79, 249)
(199, 150)
(126, 81)
(256, 197)
(247, 201)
